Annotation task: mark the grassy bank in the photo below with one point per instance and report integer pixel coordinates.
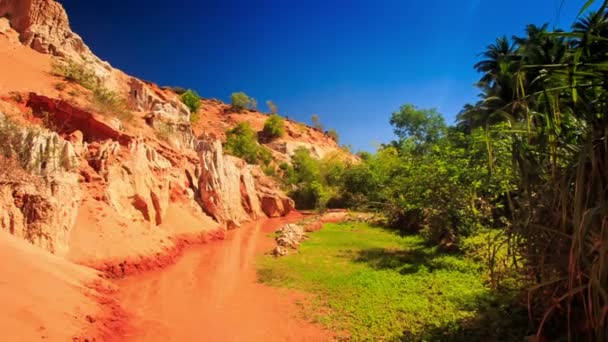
(377, 285)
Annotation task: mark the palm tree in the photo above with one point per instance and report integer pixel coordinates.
(499, 58)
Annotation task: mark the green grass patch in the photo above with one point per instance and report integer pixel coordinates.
(378, 285)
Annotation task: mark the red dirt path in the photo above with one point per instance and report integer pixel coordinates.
(211, 294)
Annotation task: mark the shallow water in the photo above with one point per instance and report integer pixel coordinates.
(211, 294)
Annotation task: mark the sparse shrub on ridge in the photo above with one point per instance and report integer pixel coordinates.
(272, 107)
(316, 122)
(75, 72)
(104, 100)
(240, 101)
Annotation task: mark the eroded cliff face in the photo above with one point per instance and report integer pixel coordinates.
(139, 177)
(86, 184)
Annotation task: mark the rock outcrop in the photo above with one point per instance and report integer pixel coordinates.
(44, 26)
(136, 177)
(233, 191)
(162, 109)
(288, 237)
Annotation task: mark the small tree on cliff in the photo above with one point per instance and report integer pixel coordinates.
(240, 101)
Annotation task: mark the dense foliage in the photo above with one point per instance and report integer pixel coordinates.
(530, 159)
(242, 141)
(274, 126)
(314, 183)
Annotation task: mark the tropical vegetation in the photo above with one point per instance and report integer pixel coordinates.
(529, 160)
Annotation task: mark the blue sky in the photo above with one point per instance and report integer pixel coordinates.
(351, 62)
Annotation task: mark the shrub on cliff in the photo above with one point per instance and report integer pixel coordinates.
(240, 101)
(274, 127)
(75, 72)
(107, 101)
(333, 134)
(104, 100)
(242, 142)
(193, 101)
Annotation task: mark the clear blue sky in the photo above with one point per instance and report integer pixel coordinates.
(351, 62)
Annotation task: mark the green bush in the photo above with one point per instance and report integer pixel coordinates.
(193, 101)
(240, 101)
(242, 142)
(274, 127)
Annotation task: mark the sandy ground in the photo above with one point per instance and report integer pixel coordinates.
(100, 234)
(23, 69)
(212, 294)
(42, 296)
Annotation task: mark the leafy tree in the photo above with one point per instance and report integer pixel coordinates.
(253, 104)
(419, 126)
(240, 101)
(274, 127)
(193, 101)
(272, 107)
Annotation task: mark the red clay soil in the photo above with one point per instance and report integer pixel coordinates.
(211, 294)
